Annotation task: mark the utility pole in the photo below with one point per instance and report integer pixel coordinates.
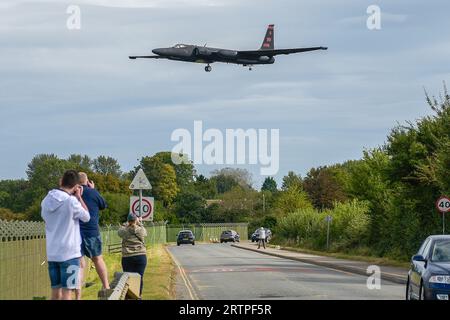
(264, 203)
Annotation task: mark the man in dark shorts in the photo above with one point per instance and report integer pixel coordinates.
(91, 245)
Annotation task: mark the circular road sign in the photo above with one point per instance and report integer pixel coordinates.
(443, 204)
(147, 208)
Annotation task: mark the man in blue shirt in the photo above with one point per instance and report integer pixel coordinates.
(90, 231)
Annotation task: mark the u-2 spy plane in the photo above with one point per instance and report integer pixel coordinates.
(207, 55)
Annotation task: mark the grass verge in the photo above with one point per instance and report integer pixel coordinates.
(159, 277)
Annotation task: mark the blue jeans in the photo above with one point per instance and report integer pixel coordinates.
(64, 274)
(136, 264)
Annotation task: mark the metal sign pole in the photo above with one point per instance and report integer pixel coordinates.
(140, 202)
(328, 234)
(443, 222)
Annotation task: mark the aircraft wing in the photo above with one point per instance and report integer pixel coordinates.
(275, 52)
(146, 57)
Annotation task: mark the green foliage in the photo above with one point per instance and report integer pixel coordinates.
(237, 205)
(162, 213)
(184, 171)
(80, 163)
(110, 183)
(228, 178)
(107, 166)
(269, 185)
(44, 172)
(14, 195)
(205, 187)
(292, 181)
(324, 187)
(190, 207)
(308, 227)
(291, 200)
(6, 214)
(163, 178)
(118, 208)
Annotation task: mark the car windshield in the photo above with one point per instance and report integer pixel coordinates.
(182, 234)
(441, 251)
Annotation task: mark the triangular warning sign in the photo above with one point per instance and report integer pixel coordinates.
(140, 181)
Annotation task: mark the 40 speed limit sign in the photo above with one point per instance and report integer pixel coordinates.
(443, 204)
(148, 205)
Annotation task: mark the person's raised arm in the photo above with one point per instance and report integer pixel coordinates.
(81, 211)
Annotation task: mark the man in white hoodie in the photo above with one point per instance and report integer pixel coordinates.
(62, 211)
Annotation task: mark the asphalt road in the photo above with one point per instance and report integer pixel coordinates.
(219, 271)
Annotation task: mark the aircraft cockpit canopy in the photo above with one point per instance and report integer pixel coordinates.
(179, 46)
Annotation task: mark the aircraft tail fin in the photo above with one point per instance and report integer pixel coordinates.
(268, 43)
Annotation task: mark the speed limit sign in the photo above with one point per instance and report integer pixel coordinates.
(148, 204)
(443, 204)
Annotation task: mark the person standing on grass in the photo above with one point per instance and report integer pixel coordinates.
(91, 245)
(134, 253)
(62, 210)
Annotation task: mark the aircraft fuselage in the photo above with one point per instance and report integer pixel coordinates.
(192, 53)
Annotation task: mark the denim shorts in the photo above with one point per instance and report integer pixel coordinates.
(91, 246)
(64, 274)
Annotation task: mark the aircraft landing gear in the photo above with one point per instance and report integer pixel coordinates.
(250, 68)
(208, 68)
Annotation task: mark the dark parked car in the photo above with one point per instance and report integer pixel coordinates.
(185, 236)
(255, 236)
(229, 236)
(429, 276)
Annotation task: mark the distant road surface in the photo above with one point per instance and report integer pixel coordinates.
(219, 271)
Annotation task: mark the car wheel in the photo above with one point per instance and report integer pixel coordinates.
(193, 243)
(178, 244)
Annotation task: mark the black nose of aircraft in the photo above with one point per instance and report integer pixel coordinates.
(158, 51)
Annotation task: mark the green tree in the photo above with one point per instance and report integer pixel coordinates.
(240, 176)
(117, 210)
(185, 171)
(205, 187)
(224, 183)
(14, 195)
(44, 172)
(80, 163)
(107, 166)
(323, 187)
(238, 205)
(291, 200)
(269, 185)
(292, 180)
(163, 178)
(190, 207)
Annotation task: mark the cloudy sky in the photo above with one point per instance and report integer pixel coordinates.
(64, 91)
